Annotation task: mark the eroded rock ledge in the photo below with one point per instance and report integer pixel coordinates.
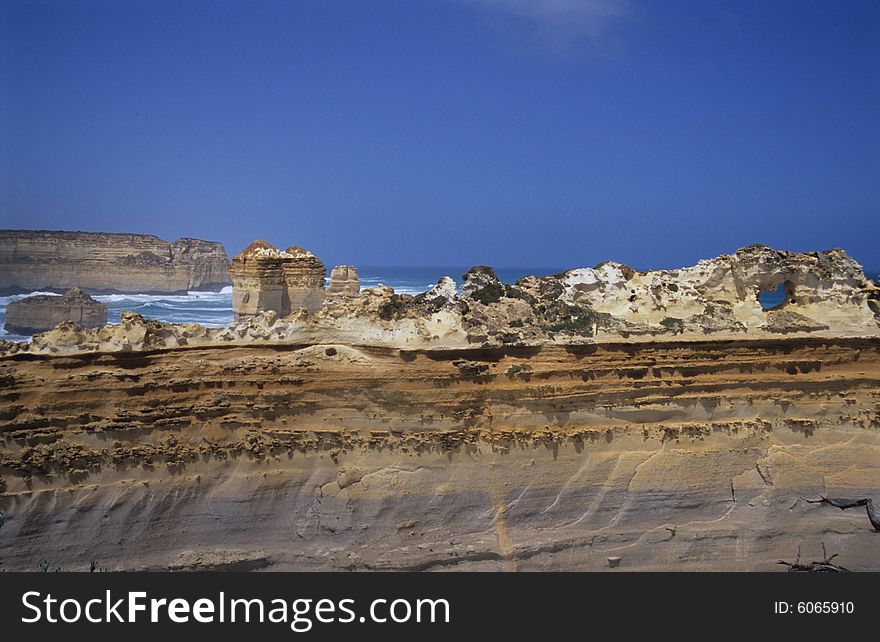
(279, 297)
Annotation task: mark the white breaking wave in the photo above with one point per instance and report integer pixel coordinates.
(211, 309)
(16, 297)
(172, 298)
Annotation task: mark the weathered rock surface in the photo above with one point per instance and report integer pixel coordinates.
(443, 292)
(826, 291)
(344, 281)
(100, 262)
(43, 312)
(676, 455)
(266, 279)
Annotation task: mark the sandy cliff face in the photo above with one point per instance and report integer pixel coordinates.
(204, 261)
(694, 455)
(100, 262)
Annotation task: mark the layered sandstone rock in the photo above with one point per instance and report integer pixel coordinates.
(265, 278)
(695, 455)
(101, 262)
(132, 333)
(205, 262)
(304, 277)
(40, 313)
(721, 294)
(344, 281)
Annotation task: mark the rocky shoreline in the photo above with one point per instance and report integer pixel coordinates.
(280, 297)
(41, 313)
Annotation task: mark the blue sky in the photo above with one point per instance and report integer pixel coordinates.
(448, 132)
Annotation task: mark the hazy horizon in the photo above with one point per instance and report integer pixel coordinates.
(537, 270)
(448, 132)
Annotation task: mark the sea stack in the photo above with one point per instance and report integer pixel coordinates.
(265, 278)
(43, 312)
(344, 281)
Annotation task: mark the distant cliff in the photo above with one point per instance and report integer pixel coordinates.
(98, 262)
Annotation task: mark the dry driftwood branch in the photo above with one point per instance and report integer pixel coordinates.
(825, 566)
(843, 504)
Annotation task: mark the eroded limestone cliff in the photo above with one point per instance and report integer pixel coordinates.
(100, 262)
(598, 419)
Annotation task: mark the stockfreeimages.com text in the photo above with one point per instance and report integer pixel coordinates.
(300, 614)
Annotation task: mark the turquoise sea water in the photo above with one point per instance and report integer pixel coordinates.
(214, 309)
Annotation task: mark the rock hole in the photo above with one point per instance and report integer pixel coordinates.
(775, 298)
(330, 352)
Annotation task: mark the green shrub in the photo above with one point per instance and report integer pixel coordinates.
(519, 370)
(676, 326)
(489, 294)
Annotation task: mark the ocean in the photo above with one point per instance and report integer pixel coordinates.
(214, 309)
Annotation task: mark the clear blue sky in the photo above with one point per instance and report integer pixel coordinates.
(448, 132)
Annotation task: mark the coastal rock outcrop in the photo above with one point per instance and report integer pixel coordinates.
(265, 278)
(205, 262)
(43, 312)
(827, 296)
(344, 281)
(133, 333)
(824, 291)
(827, 288)
(100, 262)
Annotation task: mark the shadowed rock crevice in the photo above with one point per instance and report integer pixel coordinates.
(843, 504)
